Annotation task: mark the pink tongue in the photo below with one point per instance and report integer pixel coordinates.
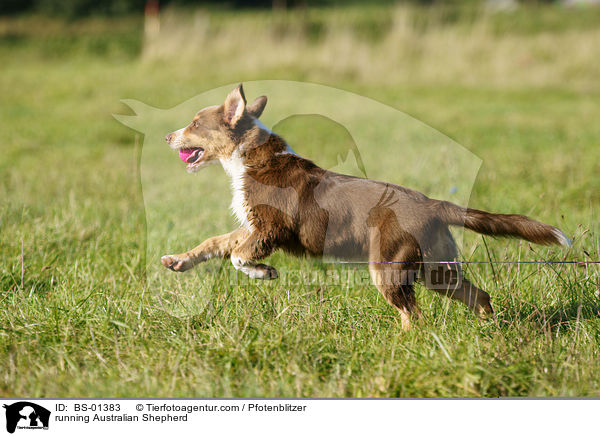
(184, 153)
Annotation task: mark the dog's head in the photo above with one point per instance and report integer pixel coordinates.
(216, 132)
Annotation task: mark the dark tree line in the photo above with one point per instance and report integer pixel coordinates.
(82, 8)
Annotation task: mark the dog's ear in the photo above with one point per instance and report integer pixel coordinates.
(258, 106)
(235, 105)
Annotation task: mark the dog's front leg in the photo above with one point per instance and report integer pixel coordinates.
(217, 246)
(255, 247)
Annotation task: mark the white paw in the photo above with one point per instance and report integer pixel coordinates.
(263, 272)
(176, 262)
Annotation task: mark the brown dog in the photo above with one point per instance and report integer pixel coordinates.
(283, 201)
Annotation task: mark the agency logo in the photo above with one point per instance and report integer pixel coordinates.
(26, 415)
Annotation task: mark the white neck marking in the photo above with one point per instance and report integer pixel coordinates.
(236, 170)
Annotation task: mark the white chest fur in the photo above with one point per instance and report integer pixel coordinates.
(236, 170)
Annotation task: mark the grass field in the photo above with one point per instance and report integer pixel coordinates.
(80, 314)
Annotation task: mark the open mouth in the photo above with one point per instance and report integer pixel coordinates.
(191, 156)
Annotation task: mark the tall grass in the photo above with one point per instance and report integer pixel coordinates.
(391, 46)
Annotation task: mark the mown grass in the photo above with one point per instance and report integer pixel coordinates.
(81, 318)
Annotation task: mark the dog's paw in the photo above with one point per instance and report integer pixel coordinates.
(176, 262)
(485, 310)
(263, 272)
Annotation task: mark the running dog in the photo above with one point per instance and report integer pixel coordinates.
(284, 201)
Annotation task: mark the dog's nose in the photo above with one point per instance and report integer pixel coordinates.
(169, 137)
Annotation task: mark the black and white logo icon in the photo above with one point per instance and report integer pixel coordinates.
(26, 415)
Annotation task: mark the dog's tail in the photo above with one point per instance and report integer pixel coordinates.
(496, 224)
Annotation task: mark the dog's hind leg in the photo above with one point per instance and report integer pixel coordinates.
(461, 289)
(396, 285)
(394, 277)
(477, 299)
(217, 246)
(448, 278)
(393, 263)
(253, 248)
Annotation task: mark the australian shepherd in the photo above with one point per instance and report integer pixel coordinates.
(284, 201)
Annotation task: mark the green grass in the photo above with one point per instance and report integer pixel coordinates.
(80, 318)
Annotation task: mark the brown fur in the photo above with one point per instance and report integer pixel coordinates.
(289, 203)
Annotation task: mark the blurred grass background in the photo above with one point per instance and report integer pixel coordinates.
(516, 86)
